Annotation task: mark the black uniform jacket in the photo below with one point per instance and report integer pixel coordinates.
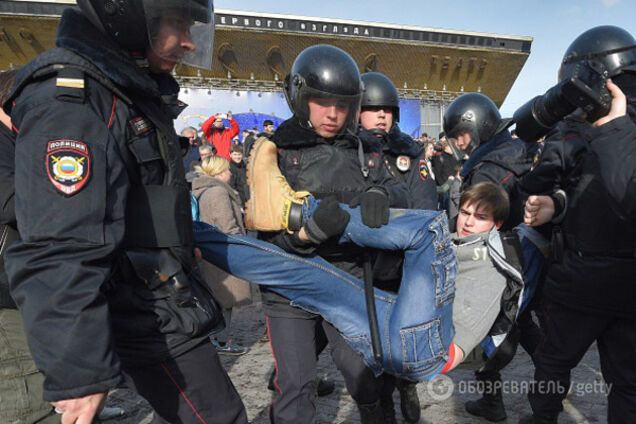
(557, 164)
(326, 168)
(597, 270)
(615, 146)
(85, 154)
(405, 160)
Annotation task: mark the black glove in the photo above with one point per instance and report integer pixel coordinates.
(374, 207)
(327, 221)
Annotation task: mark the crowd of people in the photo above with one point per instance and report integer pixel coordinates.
(126, 248)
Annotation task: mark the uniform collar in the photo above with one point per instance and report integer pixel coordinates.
(290, 134)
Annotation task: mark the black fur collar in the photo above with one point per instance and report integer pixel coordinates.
(290, 135)
(400, 143)
(395, 142)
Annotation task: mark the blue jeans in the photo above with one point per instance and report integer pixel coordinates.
(416, 326)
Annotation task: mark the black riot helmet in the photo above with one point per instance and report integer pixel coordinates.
(379, 91)
(324, 72)
(597, 54)
(608, 50)
(606, 47)
(476, 114)
(135, 24)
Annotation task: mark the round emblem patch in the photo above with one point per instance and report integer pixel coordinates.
(403, 163)
(67, 165)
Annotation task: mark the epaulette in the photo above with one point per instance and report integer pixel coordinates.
(70, 83)
(70, 69)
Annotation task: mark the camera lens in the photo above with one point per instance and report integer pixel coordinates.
(552, 107)
(538, 116)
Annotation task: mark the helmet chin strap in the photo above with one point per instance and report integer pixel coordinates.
(364, 169)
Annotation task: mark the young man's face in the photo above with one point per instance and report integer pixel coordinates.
(463, 141)
(172, 42)
(473, 220)
(327, 116)
(376, 117)
(218, 122)
(268, 129)
(237, 157)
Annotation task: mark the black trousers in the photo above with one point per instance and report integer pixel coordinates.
(568, 335)
(191, 388)
(294, 342)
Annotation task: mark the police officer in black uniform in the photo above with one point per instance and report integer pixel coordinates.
(104, 274)
(404, 158)
(17, 369)
(319, 152)
(589, 291)
(474, 121)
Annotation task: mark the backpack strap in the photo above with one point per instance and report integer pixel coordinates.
(512, 249)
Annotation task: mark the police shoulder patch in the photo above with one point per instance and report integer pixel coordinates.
(423, 169)
(68, 165)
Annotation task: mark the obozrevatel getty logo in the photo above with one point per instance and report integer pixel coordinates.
(440, 388)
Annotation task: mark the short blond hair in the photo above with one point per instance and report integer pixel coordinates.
(212, 166)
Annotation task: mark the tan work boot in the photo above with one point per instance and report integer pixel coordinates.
(273, 205)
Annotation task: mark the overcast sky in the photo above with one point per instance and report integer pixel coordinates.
(552, 24)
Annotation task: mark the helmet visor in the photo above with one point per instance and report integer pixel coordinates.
(459, 141)
(181, 31)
